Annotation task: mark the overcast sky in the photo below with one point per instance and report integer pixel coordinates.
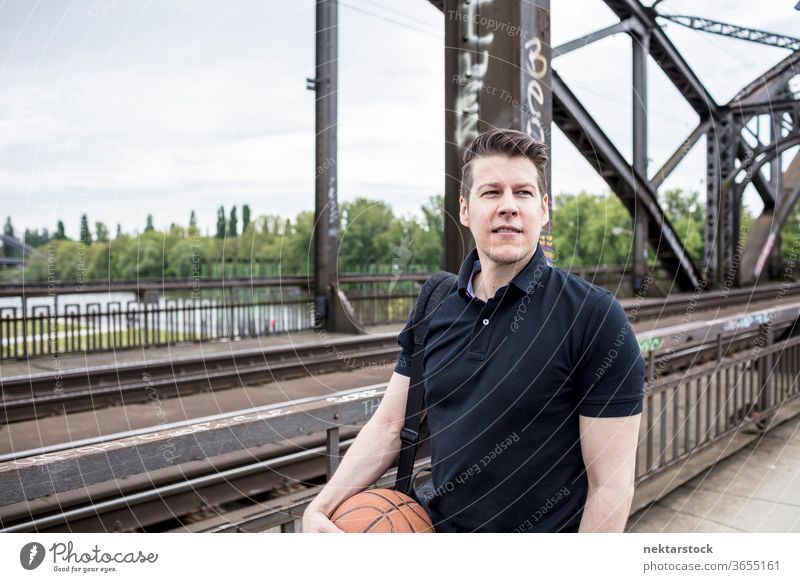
(122, 108)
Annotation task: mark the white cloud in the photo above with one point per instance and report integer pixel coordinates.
(173, 106)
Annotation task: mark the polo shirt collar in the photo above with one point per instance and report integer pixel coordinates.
(525, 281)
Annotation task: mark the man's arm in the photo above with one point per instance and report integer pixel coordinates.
(372, 453)
(608, 446)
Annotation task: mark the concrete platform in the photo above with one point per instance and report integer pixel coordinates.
(755, 490)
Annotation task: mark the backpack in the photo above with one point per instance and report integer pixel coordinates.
(433, 292)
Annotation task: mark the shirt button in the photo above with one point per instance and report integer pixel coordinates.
(485, 322)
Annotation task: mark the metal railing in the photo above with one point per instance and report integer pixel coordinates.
(40, 330)
(685, 413)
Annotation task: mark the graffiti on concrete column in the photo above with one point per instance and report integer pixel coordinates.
(471, 73)
(536, 68)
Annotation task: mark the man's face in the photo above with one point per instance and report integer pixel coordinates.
(504, 194)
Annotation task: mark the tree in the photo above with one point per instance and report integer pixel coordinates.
(85, 235)
(119, 230)
(221, 222)
(245, 217)
(295, 251)
(584, 231)
(686, 214)
(192, 219)
(60, 234)
(233, 223)
(100, 232)
(143, 258)
(369, 235)
(149, 227)
(8, 230)
(428, 238)
(35, 239)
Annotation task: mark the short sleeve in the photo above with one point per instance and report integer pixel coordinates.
(406, 340)
(611, 370)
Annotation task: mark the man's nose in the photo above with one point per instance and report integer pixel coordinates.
(508, 204)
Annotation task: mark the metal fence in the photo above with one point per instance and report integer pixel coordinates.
(39, 330)
(691, 410)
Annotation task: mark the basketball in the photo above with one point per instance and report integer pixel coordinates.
(381, 511)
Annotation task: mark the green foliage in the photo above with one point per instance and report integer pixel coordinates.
(233, 224)
(790, 235)
(245, 217)
(62, 260)
(149, 226)
(685, 213)
(143, 257)
(8, 228)
(372, 239)
(36, 238)
(221, 222)
(294, 250)
(100, 232)
(591, 230)
(60, 234)
(368, 230)
(85, 234)
(597, 230)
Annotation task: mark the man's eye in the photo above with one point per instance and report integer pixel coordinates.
(490, 192)
(526, 192)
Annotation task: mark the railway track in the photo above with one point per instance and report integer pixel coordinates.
(650, 308)
(35, 396)
(40, 395)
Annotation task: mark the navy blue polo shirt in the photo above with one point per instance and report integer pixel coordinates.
(505, 382)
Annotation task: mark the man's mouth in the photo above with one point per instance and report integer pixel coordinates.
(506, 230)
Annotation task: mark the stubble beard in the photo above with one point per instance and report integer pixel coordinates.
(521, 255)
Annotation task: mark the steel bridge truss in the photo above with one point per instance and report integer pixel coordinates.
(504, 46)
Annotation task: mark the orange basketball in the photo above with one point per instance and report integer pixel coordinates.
(381, 511)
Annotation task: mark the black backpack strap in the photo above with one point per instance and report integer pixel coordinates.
(430, 298)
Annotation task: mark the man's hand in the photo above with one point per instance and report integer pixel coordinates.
(372, 453)
(608, 446)
(316, 521)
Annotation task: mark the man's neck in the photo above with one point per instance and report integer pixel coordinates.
(492, 275)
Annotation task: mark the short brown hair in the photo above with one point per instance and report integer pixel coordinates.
(505, 142)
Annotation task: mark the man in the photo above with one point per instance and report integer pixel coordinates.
(533, 376)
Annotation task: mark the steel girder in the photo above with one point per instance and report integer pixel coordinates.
(667, 56)
(721, 126)
(766, 231)
(721, 234)
(678, 155)
(778, 204)
(734, 31)
(633, 189)
(770, 94)
(769, 87)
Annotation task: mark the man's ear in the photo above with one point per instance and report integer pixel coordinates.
(463, 212)
(545, 210)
